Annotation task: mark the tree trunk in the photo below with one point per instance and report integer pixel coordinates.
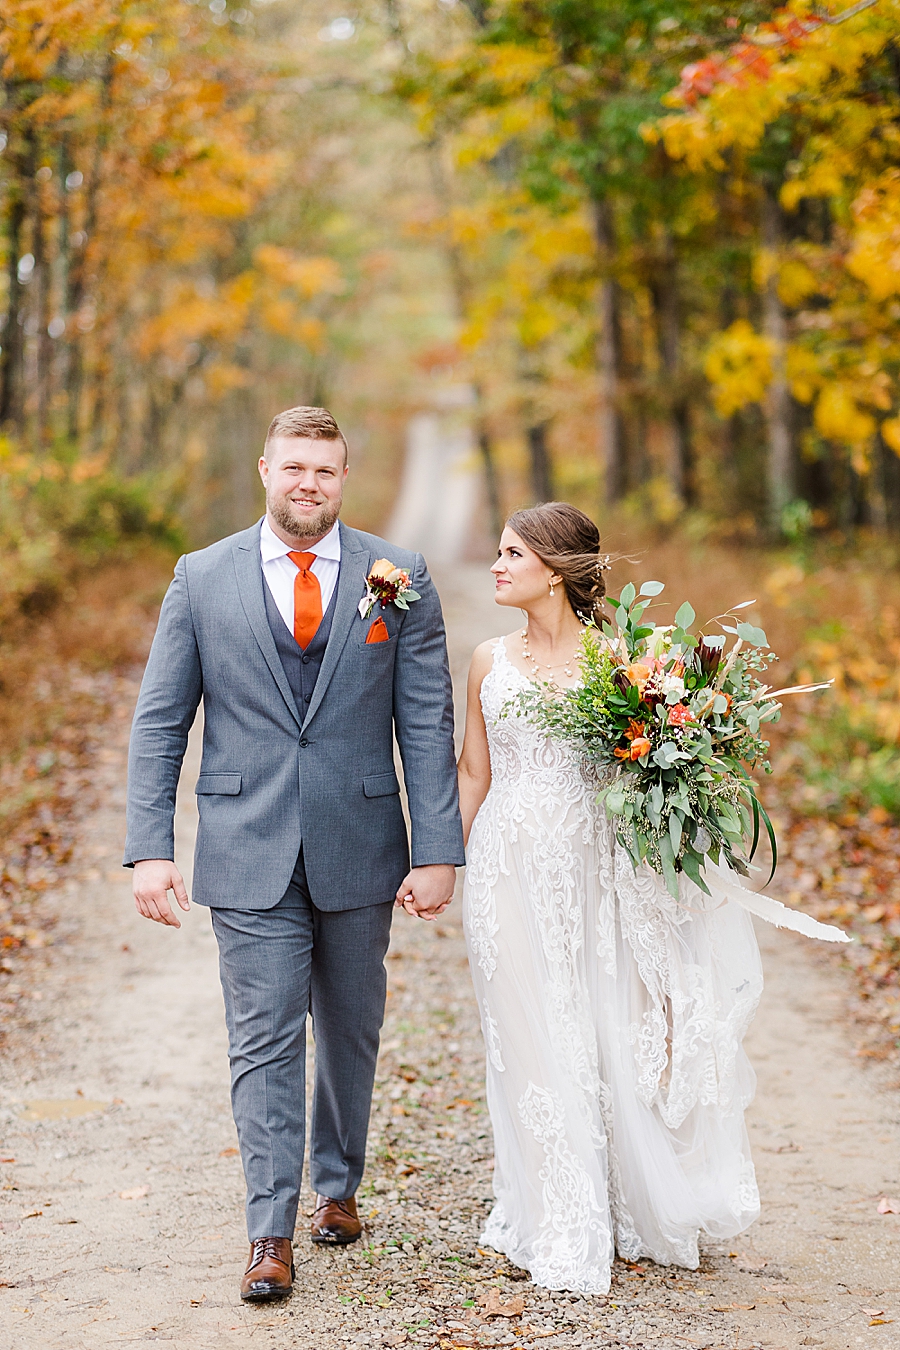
(13, 343)
(43, 288)
(612, 448)
(541, 463)
(492, 489)
(780, 466)
(876, 489)
(668, 327)
(78, 271)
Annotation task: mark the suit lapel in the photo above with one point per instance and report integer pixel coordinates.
(351, 585)
(248, 570)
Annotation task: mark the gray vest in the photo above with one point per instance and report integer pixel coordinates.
(301, 666)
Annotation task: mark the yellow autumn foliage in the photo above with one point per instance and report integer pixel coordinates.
(843, 350)
(739, 367)
(839, 417)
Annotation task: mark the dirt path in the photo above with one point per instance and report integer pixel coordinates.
(124, 1222)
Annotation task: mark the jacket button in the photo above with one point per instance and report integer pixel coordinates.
(305, 660)
(304, 743)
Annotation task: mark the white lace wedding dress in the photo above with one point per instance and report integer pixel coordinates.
(613, 1018)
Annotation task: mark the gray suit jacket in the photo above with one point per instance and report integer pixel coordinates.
(271, 777)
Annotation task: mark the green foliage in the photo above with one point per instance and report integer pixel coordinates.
(59, 516)
(844, 769)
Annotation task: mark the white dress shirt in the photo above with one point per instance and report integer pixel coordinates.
(279, 571)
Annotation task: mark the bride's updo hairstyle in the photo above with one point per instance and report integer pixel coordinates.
(568, 542)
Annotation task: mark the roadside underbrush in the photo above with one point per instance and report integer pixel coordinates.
(60, 678)
(86, 558)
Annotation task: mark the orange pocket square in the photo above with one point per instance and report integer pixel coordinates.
(378, 632)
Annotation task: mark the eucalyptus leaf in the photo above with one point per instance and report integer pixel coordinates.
(750, 633)
(685, 615)
(691, 865)
(667, 858)
(652, 587)
(627, 595)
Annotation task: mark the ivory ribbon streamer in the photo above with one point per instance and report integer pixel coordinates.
(773, 911)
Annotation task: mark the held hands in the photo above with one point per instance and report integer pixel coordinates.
(425, 892)
(153, 879)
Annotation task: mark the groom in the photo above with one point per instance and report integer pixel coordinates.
(302, 847)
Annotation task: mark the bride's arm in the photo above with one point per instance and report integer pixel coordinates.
(475, 761)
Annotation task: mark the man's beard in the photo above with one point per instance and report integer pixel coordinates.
(306, 526)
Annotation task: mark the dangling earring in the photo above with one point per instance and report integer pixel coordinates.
(552, 591)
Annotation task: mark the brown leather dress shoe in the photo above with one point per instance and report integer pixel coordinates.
(270, 1271)
(335, 1221)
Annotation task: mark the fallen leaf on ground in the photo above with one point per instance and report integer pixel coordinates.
(6, 1157)
(888, 1206)
(137, 1194)
(880, 1321)
(493, 1306)
(540, 1335)
(228, 1153)
(873, 1312)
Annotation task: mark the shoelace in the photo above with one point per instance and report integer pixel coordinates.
(341, 1204)
(266, 1247)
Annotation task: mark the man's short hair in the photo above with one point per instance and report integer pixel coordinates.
(314, 424)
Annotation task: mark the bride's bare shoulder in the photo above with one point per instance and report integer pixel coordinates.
(483, 659)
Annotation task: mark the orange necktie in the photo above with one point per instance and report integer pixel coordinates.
(307, 599)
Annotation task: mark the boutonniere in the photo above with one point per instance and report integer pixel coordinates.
(386, 585)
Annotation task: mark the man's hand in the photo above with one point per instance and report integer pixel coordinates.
(153, 879)
(425, 892)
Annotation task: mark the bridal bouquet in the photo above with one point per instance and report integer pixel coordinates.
(679, 718)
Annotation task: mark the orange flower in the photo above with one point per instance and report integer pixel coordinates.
(679, 715)
(640, 745)
(638, 674)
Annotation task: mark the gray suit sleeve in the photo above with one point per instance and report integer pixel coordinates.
(166, 708)
(423, 720)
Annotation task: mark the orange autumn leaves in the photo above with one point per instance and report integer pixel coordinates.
(820, 82)
(139, 150)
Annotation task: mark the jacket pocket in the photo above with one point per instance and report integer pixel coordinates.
(381, 784)
(218, 784)
(384, 645)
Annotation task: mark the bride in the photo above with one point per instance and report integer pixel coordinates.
(612, 1014)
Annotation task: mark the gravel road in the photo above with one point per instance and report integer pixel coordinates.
(121, 1205)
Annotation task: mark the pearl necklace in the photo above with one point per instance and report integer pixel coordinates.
(536, 668)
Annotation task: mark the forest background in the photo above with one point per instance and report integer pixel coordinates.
(650, 251)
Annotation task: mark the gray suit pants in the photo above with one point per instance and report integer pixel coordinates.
(276, 964)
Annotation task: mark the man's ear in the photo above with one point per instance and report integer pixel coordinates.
(263, 467)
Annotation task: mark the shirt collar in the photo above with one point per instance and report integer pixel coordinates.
(270, 546)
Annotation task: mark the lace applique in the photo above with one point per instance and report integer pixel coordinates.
(747, 1198)
(492, 1037)
(573, 1219)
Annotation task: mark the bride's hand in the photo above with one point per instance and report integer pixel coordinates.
(425, 892)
